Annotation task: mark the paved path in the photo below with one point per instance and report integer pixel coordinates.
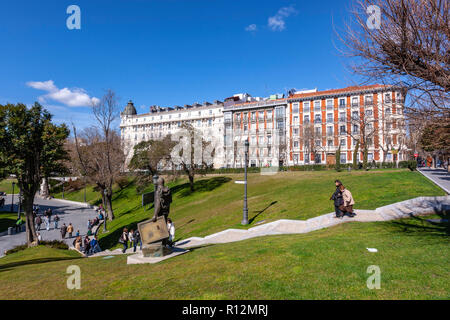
(69, 212)
(439, 176)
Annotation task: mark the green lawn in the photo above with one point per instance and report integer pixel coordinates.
(332, 263)
(6, 186)
(7, 219)
(216, 204)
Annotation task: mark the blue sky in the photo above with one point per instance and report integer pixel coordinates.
(169, 52)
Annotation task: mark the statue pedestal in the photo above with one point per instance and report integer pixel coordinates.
(139, 258)
(155, 250)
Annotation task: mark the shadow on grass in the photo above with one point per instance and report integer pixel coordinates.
(183, 190)
(259, 212)
(420, 225)
(8, 266)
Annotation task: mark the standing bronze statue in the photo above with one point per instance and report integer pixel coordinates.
(154, 233)
(163, 199)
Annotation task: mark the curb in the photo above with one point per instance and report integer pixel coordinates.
(435, 182)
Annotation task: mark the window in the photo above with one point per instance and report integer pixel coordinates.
(370, 156)
(317, 118)
(295, 144)
(269, 140)
(369, 112)
(355, 115)
(369, 100)
(342, 129)
(329, 104)
(330, 143)
(329, 131)
(316, 105)
(318, 143)
(295, 158)
(295, 131)
(342, 102)
(355, 128)
(354, 101)
(342, 142)
(343, 158)
(306, 119)
(253, 141)
(354, 142)
(306, 107)
(329, 118)
(387, 98)
(245, 127)
(269, 115)
(342, 117)
(253, 116)
(295, 119)
(317, 131)
(295, 107)
(209, 123)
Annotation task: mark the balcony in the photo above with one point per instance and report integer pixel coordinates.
(329, 120)
(342, 119)
(317, 120)
(341, 106)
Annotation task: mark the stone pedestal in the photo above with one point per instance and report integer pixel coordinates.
(155, 250)
(139, 258)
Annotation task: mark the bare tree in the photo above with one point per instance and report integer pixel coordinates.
(408, 46)
(99, 150)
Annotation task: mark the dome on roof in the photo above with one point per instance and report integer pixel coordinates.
(130, 110)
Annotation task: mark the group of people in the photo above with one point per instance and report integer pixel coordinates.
(46, 219)
(133, 237)
(343, 201)
(68, 230)
(87, 246)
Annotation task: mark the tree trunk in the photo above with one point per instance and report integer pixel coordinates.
(29, 220)
(109, 208)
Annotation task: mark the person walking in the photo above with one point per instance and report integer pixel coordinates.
(70, 230)
(171, 229)
(63, 231)
(55, 220)
(87, 245)
(131, 237)
(348, 201)
(38, 222)
(338, 199)
(137, 238)
(47, 222)
(89, 224)
(95, 247)
(124, 239)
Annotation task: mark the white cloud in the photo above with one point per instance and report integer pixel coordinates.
(251, 27)
(75, 97)
(277, 22)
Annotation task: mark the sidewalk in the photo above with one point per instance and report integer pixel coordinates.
(439, 176)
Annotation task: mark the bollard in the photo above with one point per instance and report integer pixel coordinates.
(10, 231)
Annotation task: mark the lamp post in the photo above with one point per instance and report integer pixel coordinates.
(64, 179)
(12, 199)
(84, 190)
(18, 209)
(245, 210)
(104, 214)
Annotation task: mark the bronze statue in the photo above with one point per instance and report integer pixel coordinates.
(163, 198)
(154, 233)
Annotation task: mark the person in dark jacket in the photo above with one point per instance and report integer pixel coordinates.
(338, 199)
(63, 231)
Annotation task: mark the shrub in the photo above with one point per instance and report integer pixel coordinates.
(122, 182)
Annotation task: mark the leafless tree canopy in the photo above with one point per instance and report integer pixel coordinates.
(410, 49)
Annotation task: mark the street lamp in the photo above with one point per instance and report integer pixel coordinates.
(18, 209)
(245, 211)
(104, 214)
(12, 199)
(64, 179)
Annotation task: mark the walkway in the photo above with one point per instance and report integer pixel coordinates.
(69, 212)
(439, 176)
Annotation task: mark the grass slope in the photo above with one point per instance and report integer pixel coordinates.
(216, 204)
(332, 263)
